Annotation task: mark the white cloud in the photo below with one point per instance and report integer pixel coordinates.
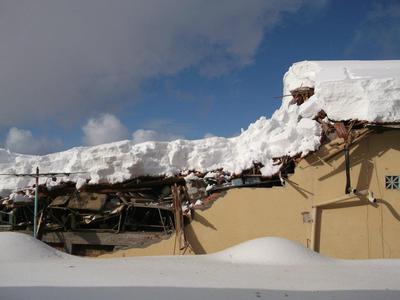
(105, 128)
(22, 141)
(63, 59)
(380, 30)
(145, 135)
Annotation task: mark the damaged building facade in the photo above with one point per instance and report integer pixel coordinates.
(340, 196)
(99, 218)
(314, 206)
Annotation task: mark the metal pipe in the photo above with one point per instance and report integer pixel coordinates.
(339, 199)
(315, 207)
(162, 221)
(313, 227)
(35, 209)
(315, 216)
(347, 162)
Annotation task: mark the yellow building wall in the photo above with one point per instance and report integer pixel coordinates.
(352, 229)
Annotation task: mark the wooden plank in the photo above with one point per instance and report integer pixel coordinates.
(104, 238)
(177, 217)
(6, 228)
(341, 130)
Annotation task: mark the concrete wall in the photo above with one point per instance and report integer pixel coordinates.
(352, 229)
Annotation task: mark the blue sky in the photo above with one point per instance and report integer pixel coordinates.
(183, 100)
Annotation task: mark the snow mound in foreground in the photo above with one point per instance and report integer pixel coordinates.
(22, 247)
(362, 90)
(271, 251)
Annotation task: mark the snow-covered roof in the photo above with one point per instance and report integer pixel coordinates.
(362, 90)
(350, 90)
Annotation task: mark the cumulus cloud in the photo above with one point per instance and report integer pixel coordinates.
(105, 128)
(23, 141)
(62, 59)
(145, 135)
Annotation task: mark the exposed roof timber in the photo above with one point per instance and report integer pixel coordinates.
(386, 125)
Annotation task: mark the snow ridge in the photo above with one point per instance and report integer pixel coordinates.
(363, 90)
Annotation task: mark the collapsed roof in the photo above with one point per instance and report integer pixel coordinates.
(344, 90)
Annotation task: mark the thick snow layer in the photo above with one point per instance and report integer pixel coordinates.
(283, 134)
(358, 90)
(363, 90)
(269, 268)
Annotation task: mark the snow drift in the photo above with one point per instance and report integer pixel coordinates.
(362, 90)
(285, 270)
(20, 247)
(271, 251)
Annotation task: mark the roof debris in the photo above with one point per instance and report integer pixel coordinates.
(127, 186)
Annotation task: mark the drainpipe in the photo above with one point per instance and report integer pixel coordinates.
(347, 162)
(314, 215)
(35, 209)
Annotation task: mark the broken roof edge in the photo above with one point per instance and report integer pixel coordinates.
(350, 90)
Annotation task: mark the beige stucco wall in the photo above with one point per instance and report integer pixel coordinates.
(353, 229)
